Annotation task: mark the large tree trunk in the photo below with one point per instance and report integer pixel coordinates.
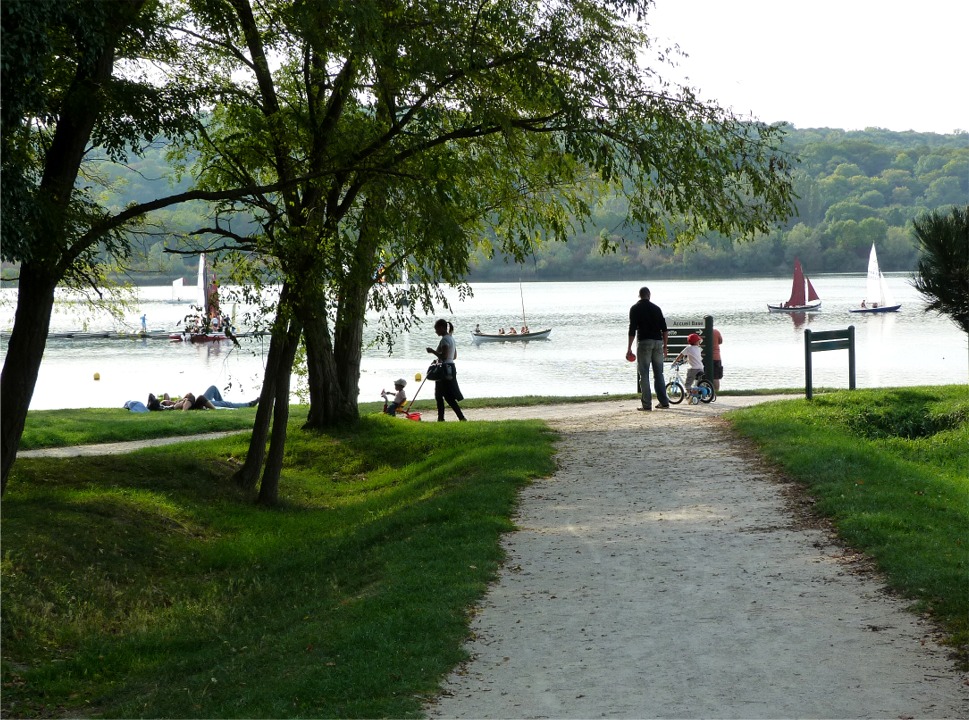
(248, 475)
(321, 371)
(269, 487)
(348, 348)
(54, 252)
(334, 368)
(25, 350)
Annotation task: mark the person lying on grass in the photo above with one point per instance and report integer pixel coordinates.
(211, 399)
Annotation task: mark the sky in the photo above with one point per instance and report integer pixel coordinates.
(849, 64)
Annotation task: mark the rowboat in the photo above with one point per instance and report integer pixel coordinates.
(878, 298)
(804, 298)
(480, 337)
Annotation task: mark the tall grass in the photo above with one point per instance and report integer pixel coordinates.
(891, 469)
(147, 585)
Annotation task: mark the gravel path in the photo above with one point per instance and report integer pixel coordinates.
(663, 572)
(120, 447)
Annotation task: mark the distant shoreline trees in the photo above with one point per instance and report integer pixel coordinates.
(853, 187)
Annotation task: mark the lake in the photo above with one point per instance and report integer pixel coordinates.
(583, 355)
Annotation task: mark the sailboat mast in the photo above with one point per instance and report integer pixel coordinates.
(522, 294)
(203, 287)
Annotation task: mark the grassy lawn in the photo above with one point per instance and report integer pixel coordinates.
(59, 428)
(87, 426)
(891, 470)
(148, 585)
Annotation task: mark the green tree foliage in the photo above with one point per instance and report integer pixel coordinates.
(852, 188)
(943, 269)
(414, 135)
(61, 57)
(904, 196)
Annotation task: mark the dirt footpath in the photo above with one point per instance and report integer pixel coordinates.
(662, 573)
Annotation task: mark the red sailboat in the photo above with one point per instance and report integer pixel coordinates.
(804, 298)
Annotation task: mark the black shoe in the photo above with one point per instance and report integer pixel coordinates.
(664, 407)
(645, 409)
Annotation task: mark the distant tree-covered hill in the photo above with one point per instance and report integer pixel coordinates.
(854, 188)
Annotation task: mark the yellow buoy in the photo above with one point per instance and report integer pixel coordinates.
(417, 377)
(97, 376)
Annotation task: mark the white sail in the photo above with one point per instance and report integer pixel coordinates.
(201, 283)
(877, 293)
(872, 285)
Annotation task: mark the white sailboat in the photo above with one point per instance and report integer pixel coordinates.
(208, 325)
(878, 297)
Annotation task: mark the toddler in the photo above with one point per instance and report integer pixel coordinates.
(399, 398)
(693, 355)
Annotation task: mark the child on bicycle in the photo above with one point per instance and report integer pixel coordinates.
(694, 357)
(399, 398)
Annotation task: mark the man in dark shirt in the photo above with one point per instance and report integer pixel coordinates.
(647, 322)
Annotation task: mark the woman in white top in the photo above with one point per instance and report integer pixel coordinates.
(447, 389)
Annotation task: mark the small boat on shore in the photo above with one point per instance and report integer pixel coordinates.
(198, 336)
(480, 337)
(208, 324)
(878, 298)
(804, 298)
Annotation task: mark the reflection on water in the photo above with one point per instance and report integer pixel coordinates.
(583, 356)
(799, 319)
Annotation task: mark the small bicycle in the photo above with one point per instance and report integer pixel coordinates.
(676, 389)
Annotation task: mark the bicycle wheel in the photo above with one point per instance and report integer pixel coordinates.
(674, 391)
(707, 393)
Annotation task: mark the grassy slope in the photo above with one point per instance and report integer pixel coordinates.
(165, 592)
(891, 469)
(58, 428)
(148, 585)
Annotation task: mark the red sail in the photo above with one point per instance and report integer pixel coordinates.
(797, 290)
(812, 294)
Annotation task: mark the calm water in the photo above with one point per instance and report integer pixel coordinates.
(584, 355)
